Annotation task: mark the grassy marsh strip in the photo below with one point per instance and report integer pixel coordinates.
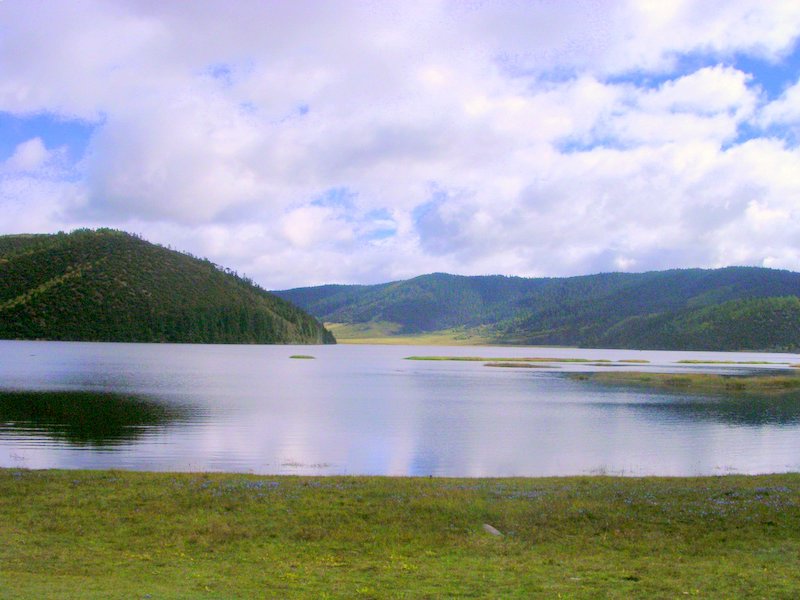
(79, 534)
(519, 365)
(488, 359)
(700, 382)
(729, 362)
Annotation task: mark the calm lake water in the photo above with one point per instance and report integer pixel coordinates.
(366, 410)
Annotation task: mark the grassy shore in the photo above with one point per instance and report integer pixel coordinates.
(77, 534)
(699, 382)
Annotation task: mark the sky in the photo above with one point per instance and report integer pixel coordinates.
(307, 142)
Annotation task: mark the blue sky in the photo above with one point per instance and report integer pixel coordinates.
(304, 143)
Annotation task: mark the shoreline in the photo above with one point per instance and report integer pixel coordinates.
(592, 474)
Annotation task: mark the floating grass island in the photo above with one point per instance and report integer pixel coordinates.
(729, 362)
(488, 359)
(518, 365)
(531, 362)
(699, 382)
(302, 356)
(113, 534)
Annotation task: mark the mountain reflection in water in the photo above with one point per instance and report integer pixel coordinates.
(783, 410)
(85, 418)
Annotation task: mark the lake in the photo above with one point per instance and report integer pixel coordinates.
(365, 410)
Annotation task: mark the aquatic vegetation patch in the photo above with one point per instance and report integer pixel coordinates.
(302, 356)
(728, 362)
(520, 365)
(700, 382)
(509, 360)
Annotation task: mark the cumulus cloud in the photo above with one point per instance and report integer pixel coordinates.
(194, 157)
(784, 110)
(28, 156)
(35, 191)
(311, 142)
(610, 37)
(34, 205)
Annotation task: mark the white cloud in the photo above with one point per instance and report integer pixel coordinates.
(784, 110)
(28, 156)
(32, 205)
(710, 90)
(36, 194)
(662, 31)
(189, 159)
(75, 58)
(609, 37)
(310, 225)
(470, 137)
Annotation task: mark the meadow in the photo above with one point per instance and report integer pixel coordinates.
(114, 534)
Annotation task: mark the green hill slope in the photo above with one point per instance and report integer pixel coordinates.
(735, 308)
(761, 323)
(108, 285)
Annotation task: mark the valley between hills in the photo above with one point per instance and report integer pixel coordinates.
(727, 309)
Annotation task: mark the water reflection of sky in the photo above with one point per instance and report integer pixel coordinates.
(366, 410)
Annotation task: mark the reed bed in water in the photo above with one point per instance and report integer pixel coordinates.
(700, 382)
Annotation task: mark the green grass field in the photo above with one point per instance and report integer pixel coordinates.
(79, 534)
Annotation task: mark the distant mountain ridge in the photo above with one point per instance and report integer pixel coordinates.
(108, 285)
(733, 308)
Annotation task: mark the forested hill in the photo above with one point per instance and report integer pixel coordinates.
(108, 285)
(735, 308)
